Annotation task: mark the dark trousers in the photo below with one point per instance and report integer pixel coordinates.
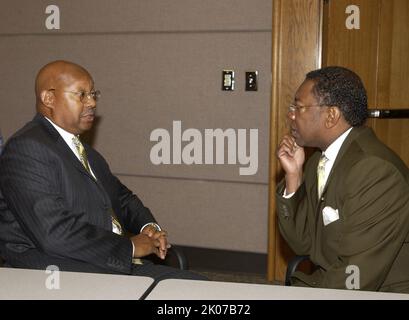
(32, 259)
(161, 272)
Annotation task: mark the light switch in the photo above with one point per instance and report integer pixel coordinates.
(228, 80)
(251, 80)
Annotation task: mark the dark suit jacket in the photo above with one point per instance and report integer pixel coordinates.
(369, 185)
(52, 212)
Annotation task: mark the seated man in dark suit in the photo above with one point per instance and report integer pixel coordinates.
(59, 202)
(347, 207)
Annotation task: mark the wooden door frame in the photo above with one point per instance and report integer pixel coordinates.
(296, 49)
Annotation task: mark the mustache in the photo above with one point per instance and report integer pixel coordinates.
(90, 112)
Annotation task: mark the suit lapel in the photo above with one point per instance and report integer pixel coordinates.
(68, 154)
(313, 187)
(61, 145)
(95, 166)
(355, 132)
(96, 169)
(99, 174)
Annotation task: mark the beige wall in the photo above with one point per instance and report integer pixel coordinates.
(157, 61)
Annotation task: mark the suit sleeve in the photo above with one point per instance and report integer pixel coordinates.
(376, 217)
(30, 177)
(293, 219)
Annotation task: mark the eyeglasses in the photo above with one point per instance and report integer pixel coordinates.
(294, 107)
(84, 95)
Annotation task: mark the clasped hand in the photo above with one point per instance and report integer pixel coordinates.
(150, 241)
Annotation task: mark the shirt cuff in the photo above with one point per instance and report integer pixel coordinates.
(287, 196)
(133, 249)
(155, 224)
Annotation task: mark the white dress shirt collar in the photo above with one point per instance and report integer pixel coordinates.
(67, 136)
(332, 151)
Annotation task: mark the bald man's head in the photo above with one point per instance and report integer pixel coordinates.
(56, 73)
(60, 87)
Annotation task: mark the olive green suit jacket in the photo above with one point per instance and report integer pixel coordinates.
(367, 247)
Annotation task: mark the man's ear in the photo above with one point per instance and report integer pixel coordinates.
(333, 116)
(47, 98)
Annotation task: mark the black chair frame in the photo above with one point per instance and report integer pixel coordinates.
(292, 267)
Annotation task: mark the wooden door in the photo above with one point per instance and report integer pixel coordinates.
(379, 52)
(296, 50)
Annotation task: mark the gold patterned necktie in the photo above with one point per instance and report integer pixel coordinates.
(82, 153)
(321, 174)
(84, 161)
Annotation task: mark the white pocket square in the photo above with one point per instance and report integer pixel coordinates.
(329, 215)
